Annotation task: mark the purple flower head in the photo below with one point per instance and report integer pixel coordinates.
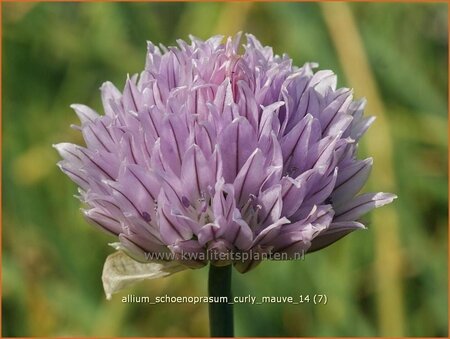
(213, 151)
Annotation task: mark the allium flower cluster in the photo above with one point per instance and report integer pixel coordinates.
(215, 150)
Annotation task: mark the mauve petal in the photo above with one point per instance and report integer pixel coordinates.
(131, 97)
(130, 248)
(198, 99)
(247, 104)
(273, 152)
(304, 149)
(85, 113)
(359, 128)
(186, 220)
(224, 95)
(69, 152)
(321, 153)
(130, 204)
(297, 137)
(270, 232)
(173, 141)
(216, 250)
(324, 81)
(157, 95)
(111, 98)
(253, 44)
(196, 175)
(143, 185)
(239, 232)
(237, 142)
(208, 233)
(106, 202)
(100, 165)
(250, 177)
(360, 205)
(350, 180)
(320, 216)
(271, 206)
(142, 249)
(292, 91)
(235, 231)
(216, 163)
(98, 136)
(171, 190)
(143, 232)
(269, 122)
(294, 243)
(77, 175)
(171, 230)
(223, 203)
(334, 111)
(158, 162)
(101, 219)
(338, 127)
(189, 253)
(356, 108)
(244, 266)
(293, 192)
(336, 231)
(131, 149)
(322, 191)
(150, 120)
(205, 137)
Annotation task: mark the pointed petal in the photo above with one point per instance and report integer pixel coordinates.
(111, 98)
(350, 180)
(297, 137)
(196, 175)
(247, 104)
(171, 230)
(237, 142)
(250, 177)
(322, 190)
(84, 113)
(103, 220)
(223, 203)
(360, 205)
(224, 96)
(271, 206)
(270, 232)
(293, 192)
(174, 139)
(336, 231)
(189, 253)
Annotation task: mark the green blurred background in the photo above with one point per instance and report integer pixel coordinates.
(388, 281)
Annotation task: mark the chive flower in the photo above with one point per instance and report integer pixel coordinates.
(216, 151)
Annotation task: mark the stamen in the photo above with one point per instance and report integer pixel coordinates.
(254, 216)
(146, 216)
(185, 201)
(202, 198)
(203, 207)
(292, 171)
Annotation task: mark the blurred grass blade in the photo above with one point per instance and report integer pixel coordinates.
(349, 47)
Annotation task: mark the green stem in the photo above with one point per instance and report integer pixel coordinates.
(220, 313)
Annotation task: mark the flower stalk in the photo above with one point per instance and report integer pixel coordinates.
(220, 313)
